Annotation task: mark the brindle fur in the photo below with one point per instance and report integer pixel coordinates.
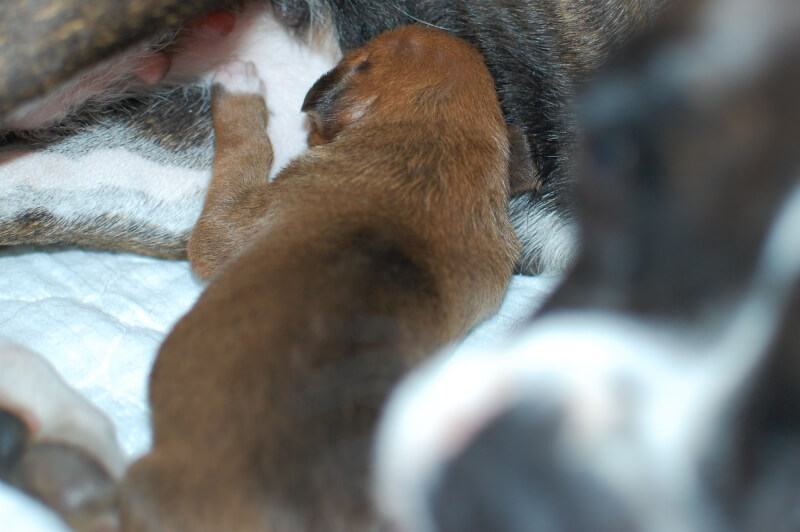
(538, 51)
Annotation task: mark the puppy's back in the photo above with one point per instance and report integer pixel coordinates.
(389, 239)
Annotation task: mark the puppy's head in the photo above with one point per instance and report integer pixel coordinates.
(409, 73)
(329, 104)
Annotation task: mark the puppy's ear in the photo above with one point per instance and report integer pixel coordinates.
(331, 105)
(522, 174)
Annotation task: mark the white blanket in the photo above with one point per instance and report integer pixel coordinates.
(100, 317)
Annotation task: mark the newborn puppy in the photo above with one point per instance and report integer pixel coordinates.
(388, 239)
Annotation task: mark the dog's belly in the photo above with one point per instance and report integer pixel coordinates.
(103, 194)
(135, 179)
(289, 66)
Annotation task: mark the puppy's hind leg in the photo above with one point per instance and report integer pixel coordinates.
(236, 198)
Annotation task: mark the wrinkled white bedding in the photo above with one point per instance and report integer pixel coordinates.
(99, 318)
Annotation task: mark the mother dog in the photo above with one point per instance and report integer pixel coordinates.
(538, 51)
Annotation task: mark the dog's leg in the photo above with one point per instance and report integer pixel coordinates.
(243, 156)
(54, 444)
(41, 48)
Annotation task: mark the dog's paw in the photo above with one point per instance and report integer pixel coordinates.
(240, 77)
(54, 444)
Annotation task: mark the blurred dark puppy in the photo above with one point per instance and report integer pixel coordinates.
(657, 390)
(389, 239)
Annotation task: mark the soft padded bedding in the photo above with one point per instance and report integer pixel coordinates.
(99, 318)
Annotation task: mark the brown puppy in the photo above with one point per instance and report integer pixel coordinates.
(389, 239)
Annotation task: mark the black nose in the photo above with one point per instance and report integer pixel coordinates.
(515, 477)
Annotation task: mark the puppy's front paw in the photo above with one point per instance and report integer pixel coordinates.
(240, 77)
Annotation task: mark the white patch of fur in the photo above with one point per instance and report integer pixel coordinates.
(23, 514)
(642, 401)
(289, 67)
(461, 394)
(632, 399)
(239, 77)
(113, 181)
(30, 386)
(549, 241)
(288, 64)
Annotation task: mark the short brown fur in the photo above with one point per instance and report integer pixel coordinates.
(389, 239)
